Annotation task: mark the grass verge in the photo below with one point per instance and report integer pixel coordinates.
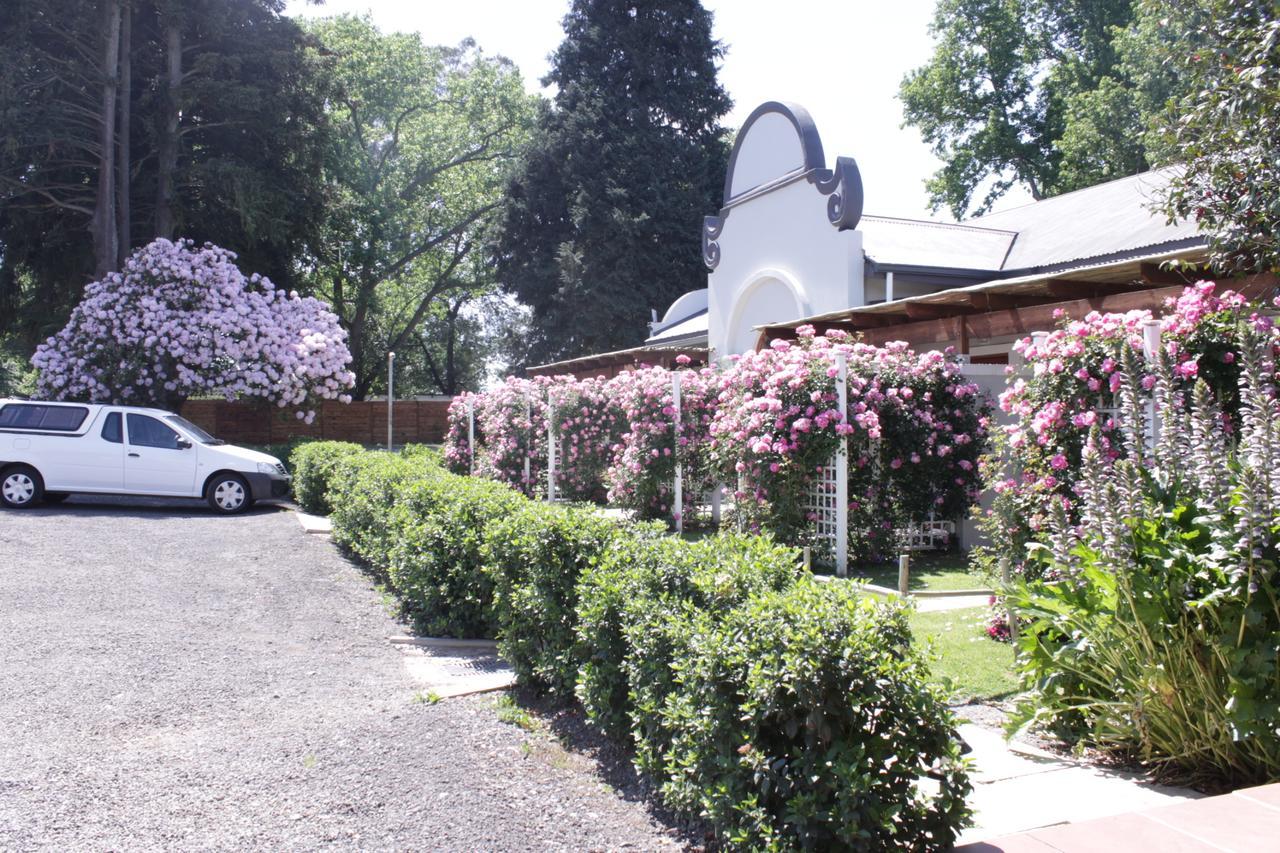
(972, 665)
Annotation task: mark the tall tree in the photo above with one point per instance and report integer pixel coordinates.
(1226, 129)
(124, 119)
(602, 220)
(999, 94)
(421, 143)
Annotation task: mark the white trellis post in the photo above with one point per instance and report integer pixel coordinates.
(551, 449)
(528, 451)
(391, 396)
(1151, 349)
(678, 503)
(471, 436)
(842, 469)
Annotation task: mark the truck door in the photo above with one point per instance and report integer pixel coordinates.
(155, 463)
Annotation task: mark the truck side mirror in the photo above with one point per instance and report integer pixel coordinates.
(183, 444)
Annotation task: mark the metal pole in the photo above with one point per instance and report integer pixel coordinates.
(471, 436)
(391, 395)
(842, 469)
(678, 508)
(551, 449)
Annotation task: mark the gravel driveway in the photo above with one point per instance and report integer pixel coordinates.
(174, 679)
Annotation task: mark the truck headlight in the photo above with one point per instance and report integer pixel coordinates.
(268, 468)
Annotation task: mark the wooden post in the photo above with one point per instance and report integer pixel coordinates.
(551, 449)
(904, 574)
(1005, 579)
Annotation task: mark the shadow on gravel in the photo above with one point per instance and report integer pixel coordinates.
(571, 729)
(100, 506)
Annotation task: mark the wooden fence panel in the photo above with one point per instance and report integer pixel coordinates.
(365, 422)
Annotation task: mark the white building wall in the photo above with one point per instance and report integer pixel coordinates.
(780, 259)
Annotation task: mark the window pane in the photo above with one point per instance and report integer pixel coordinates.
(149, 432)
(53, 418)
(111, 429)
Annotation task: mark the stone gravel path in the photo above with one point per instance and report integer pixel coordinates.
(173, 679)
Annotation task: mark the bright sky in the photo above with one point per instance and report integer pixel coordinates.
(841, 60)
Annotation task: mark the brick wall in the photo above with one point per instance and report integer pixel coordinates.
(416, 421)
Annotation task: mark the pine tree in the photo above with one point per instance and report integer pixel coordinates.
(603, 215)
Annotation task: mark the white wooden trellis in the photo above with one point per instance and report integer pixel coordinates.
(471, 436)
(677, 508)
(551, 449)
(828, 499)
(528, 451)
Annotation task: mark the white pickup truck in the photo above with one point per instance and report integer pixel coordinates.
(50, 450)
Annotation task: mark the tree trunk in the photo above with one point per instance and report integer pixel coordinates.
(104, 211)
(124, 239)
(167, 149)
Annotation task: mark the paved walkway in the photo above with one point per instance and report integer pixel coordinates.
(1246, 821)
(1018, 787)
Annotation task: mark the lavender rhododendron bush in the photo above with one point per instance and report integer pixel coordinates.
(1073, 385)
(916, 430)
(180, 321)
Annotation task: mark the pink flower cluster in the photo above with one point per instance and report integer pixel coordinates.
(915, 431)
(511, 426)
(642, 471)
(1072, 384)
(180, 321)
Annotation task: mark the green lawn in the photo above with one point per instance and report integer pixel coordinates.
(929, 572)
(975, 666)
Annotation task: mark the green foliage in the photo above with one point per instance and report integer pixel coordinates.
(788, 713)
(239, 175)
(1051, 96)
(420, 142)
(363, 489)
(602, 217)
(436, 532)
(313, 465)
(1153, 631)
(1226, 129)
(804, 719)
(627, 598)
(535, 557)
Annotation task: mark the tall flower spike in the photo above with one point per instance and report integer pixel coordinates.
(1132, 417)
(1170, 441)
(1207, 451)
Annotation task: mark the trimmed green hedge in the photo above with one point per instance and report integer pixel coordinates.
(785, 712)
(313, 464)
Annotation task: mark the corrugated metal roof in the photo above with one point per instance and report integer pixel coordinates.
(1098, 221)
(689, 327)
(911, 242)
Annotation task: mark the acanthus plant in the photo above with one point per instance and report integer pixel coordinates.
(1073, 383)
(179, 322)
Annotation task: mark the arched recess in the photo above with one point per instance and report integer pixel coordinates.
(767, 296)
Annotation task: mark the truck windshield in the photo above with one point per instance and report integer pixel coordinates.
(192, 430)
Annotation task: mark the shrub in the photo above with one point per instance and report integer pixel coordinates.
(434, 535)
(363, 489)
(1152, 624)
(626, 598)
(535, 557)
(805, 719)
(313, 465)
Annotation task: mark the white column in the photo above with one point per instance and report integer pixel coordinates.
(1151, 349)
(842, 469)
(551, 449)
(528, 451)
(391, 396)
(678, 504)
(471, 436)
